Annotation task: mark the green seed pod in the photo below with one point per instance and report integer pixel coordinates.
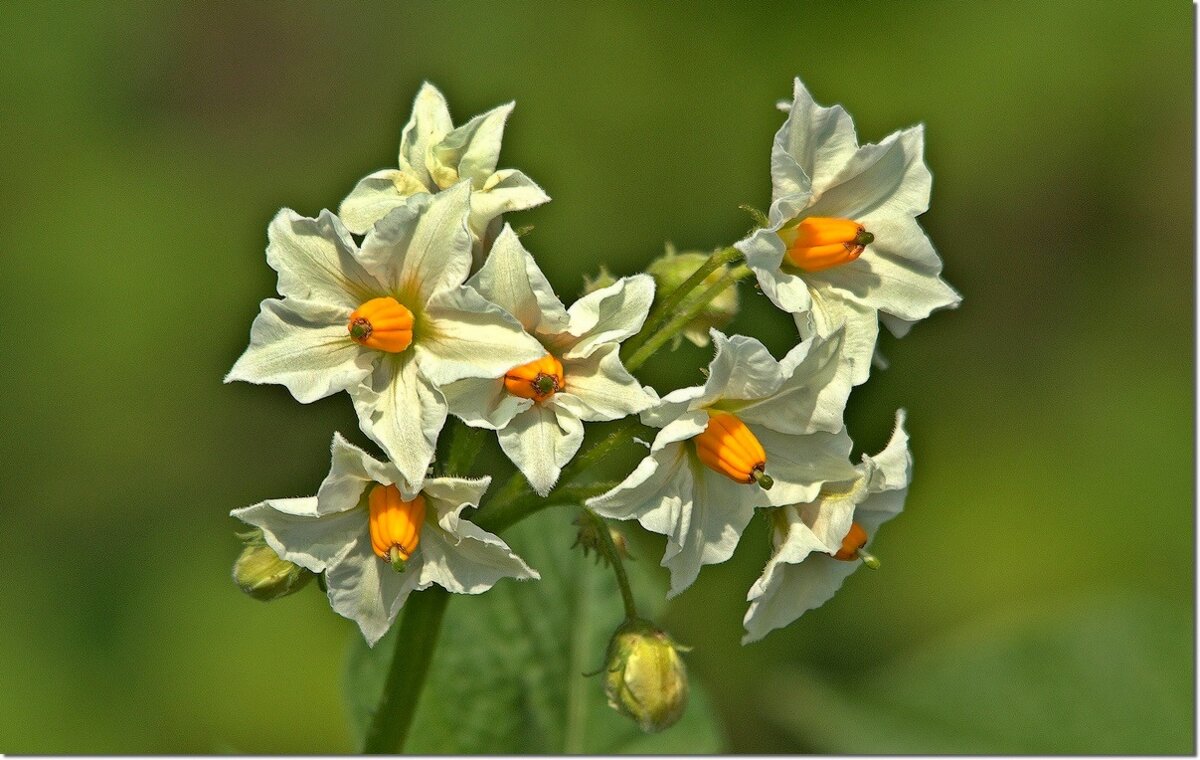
(670, 270)
(259, 572)
(644, 676)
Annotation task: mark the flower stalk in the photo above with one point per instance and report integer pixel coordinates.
(605, 545)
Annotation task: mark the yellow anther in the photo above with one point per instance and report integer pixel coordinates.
(821, 242)
(728, 447)
(852, 547)
(384, 324)
(538, 380)
(395, 524)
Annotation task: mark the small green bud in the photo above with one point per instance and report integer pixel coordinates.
(670, 270)
(644, 676)
(590, 539)
(602, 279)
(259, 572)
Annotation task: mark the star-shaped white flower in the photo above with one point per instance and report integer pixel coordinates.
(539, 407)
(388, 322)
(434, 156)
(347, 531)
(819, 543)
(759, 432)
(843, 244)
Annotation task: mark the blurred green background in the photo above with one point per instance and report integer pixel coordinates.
(1038, 592)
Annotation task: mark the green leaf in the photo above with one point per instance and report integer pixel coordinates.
(1104, 676)
(507, 674)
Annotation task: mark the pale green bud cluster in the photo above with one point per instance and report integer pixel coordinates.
(669, 272)
(645, 678)
(259, 572)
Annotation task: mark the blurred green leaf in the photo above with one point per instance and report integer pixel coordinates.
(507, 675)
(1105, 676)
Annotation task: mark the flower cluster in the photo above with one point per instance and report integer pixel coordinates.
(423, 305)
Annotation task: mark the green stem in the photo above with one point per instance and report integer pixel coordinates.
(496, 520)
(664, 310)
(681, 319)
(613, 555)
(415, 642)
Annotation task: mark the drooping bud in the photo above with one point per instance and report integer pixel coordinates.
(821, 242)
(727, 446)
(384, 324)
(537, 380)
(853, 547)
(669, 272)
(259, 572)
(644, 676)
(395, 524)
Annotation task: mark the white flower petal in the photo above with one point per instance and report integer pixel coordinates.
(375, 195)
(764, 251)
(505, 191)
(540, 441)
(300, 533)
(511, 279)
(610, 314)
(448, 497)
(891, 469)
(469, 560)
(742, 368)
(471, 151)
(684, 426)
(483, 402)
(351, 472)
(817, 140)
(316, 260)
(653, 493)
(786, 591)
(367, 590)
(422, 246)
(859, 326)
(888, 179)
(800, 464)
(812, 395)
(304, 346)
(402, 412)
(599, 387)
(464, 335)
(716, 514)
(429, 124)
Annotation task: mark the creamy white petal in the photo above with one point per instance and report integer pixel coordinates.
(540, 441)
(464, 335)
(483, 402)
(305, 347)
(653, 494)
(375, 195)
(741, 369)
(427, 126)
(300, 533)
(505, 191)
(787, 590)
(817, 140)
(470, 151)
(685, 426)
(764, 251)
(402, 412)
(800, 464)
(351, 472)
(422, 246)
(859, 325)
(890, 179)
(671, 406)
(610, 314)
(317, 260)
(367, 590)
(599, 388)
(812, 395)
(717, 512)
(446, 498)
(511, 279)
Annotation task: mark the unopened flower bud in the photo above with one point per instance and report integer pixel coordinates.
(602, 279)
(644, 676)
(670, 271)
(260, 572)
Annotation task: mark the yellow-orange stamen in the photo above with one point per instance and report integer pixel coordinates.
(852, 547)
(821, 242)
(538, 380)
(395, 524)
(727, 446)
(383, 323)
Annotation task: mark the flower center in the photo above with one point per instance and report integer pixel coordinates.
(821, 242)
(395, 524)
(537, 380)
(728, 447)
(852, 547)
(384, 324)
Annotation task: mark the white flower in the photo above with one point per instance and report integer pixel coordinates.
(388, 323)
(819, 543)
(539, 407)
(434, 156)
(843, 244)
(365, 522)
(759, 432)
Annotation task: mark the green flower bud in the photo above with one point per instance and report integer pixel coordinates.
(260, 572)
(602, 279)
(645, 677)
(669, 272)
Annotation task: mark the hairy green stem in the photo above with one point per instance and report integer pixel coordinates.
(667, 331)
(667, 306)
(415, 642)
(613, 555)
